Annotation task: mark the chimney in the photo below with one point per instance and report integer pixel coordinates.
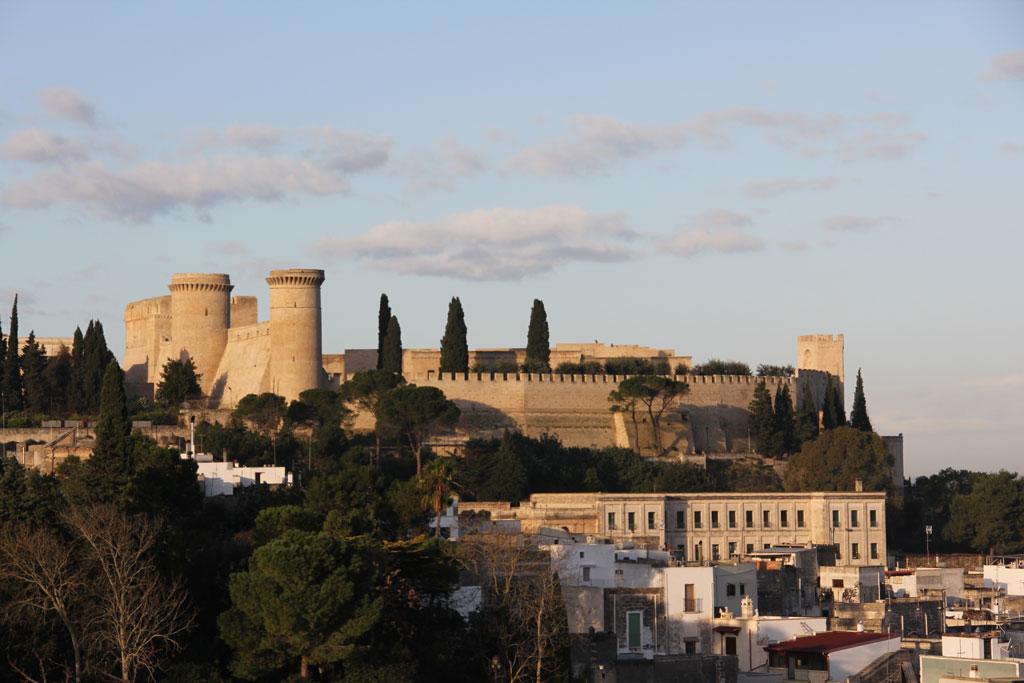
(746, 607)
(858, 485)
(860, 627)
(974, 671)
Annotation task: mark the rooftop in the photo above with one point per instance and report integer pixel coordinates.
(823, 643)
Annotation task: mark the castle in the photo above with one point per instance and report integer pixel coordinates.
(236, 355)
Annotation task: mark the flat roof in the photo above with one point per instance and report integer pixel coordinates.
(830, 641)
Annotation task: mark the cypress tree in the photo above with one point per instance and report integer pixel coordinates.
(840, 412)
(109, 468)
(762, 420)
(454, 348)
(859, 413)
(785, 427)
(538, 343)
(58, 376)
(392, 355)
(37, 393)
(829, 418)
(12, 364)
(76, 391)
(383, 320)
(806, 416)
(96, 359)
(3, 356)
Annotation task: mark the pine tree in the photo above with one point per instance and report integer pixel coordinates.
(785, 427)
(12, 387)
(454, 348)
(37, 393)
(393, 347)
(859, 414)
(109, 468)
(806, 417)
(762, 420)
(383, 320)
(76, 390)
(829, 417)
(538, 343)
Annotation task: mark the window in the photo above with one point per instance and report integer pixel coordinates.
(650, 520)
(696, 520)
(835, 518)
(582, 554)
(715, 555)
(750, 519)
(633, 630)
(730, 590)
(698, 553)
(750, 548)
(766, 519)
(732, 519)
(714, 519)
(586, 573)
(743, 589)
(800, 518)
(611, 520)
(680, 519)
(855, 551)
(730, 645)
(631, 520)
(874, 551)
(783, 518)
(837, 583)
(767, 546)
(732, 548)
(854, 520)
(690, 646)
(689, 601)
(872, 517)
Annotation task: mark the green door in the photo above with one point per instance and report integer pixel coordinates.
(633, 629)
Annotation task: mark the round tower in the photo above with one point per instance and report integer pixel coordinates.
(200, 318)
(296, 351)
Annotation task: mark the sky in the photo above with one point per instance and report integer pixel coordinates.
(717, 178)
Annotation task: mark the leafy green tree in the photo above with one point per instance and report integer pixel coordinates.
(657, 394)
(416, 413)
(178, 381)
(109, 469)
(785, 425)
(96, 358)
(627, 365)
(393, 347)
(383, 320)
(716, 366)
(57, 376)
(305, 601)
(454, 347)
(364, 391)
(679, 477)
(265, 411)
(77, 401)
(762, 420)
(806, 417)
(743, 476)
(839, 457)
(28, 496)
(538, 344)
(12, 385)
(830, 417)
(437, 484)
(775, 370)
(988, 519)
(859, 414)
(37, 392)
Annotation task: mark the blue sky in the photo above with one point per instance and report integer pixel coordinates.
(718, 178)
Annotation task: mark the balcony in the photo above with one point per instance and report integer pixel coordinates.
(691, 605)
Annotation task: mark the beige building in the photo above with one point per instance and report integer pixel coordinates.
(713, 526)
(234, 353)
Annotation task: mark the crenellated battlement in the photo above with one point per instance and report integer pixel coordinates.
(296, 277)
(562, 378)
(200, 282)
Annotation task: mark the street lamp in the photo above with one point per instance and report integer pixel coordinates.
(927, 544)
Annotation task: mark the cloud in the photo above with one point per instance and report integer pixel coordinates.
(446, 162)
(68, 104)
(595, 143)
(774, 188)
(489, 244)
(698, 241)
(140, 192)
(881, 146)
(849, 223)
(348, 152)
(38, 146)
(251, 136)
(1011, 148)
(230, 248)
(795, 246)
(720, 218)
(1008, 66)
(786, 128)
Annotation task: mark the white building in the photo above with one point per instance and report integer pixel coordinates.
(222, 478)
(830, 656)
(852, 584)
(1005, 573)
(747, 634)
(927, 582)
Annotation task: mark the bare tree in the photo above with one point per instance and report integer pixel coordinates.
(138, 615)
(522, 603)
(48, 581)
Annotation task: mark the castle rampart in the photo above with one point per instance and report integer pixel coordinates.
(200, 318)
(296, 353)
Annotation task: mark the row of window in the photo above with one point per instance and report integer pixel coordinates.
(731, 548)
(766, 519)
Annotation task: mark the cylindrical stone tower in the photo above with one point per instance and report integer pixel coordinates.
(200, 318)
(296, 351)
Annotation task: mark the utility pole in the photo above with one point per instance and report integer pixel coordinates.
(927, 544)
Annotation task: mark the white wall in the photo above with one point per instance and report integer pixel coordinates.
(1010, 579)
(956, 646)
(221, 478)
(847, 662)
(743, 573)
